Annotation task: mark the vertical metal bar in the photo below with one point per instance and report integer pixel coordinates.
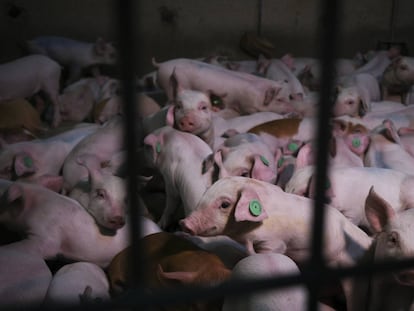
(127, 63)
(328, 44)
(394, 5)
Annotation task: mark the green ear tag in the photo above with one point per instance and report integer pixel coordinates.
(255, 208)
(356, 142)
(264, 160)
(293, 147)
(328, 184)
(28, 162)
(280, 162)
(158, 147)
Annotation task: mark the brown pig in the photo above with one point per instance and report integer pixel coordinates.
(173, 260)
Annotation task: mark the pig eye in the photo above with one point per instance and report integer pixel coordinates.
(203, 107)
(245, 174)
(403, 67)
(392, 239)
(225, 204)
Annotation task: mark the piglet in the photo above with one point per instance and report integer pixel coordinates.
(26, 76)
(73, 54)
(179, 157)
(172, 261)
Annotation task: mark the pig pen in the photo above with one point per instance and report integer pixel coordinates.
(319, 281)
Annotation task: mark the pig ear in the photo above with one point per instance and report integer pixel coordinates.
(249, 207)
(218, 159)
(184, 277)
(363, 105)
(14, 192)
(208, 163)
(378, 211)
(305, 156)
(270, 95)
(155, 142)
(54, 183)
(289, 61)
(329, 194)
(175, 86)
(170, 119)
(261, 169)
(339, 127)
(391, 132)
(24, 164)
(405, 131)
(263, 64)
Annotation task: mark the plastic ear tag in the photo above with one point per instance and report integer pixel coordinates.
(264, 160)
(292, 147)
(255, 208)
(328, 184)
(280, 162)
(356, 142)
(158, 147)
(28, 162)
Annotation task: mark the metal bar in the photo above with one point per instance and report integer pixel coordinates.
(328, 44)
(394, 5)
(259, 17)
(127, 63)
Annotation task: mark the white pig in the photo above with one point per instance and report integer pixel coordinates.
(179, 157)
(73, 54)
(26, 76)
(71, 281)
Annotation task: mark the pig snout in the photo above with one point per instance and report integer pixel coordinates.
(405, 277)
(187, 226)
(116, 222)
(186, 124)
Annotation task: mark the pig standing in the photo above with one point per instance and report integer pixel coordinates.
(239, 92)
(72, 54)
(184, 175)
(26, 76)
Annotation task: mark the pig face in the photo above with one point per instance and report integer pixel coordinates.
(395, 233)
(349, 102)
(192, 112)
(403, 68)
(230, 202)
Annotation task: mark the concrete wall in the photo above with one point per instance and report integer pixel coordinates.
(190, 28)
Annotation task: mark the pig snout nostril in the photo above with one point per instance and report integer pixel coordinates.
(117, 221)
(184, 226)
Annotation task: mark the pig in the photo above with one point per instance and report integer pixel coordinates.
(184, 175)
(392, 241)
(73, 54)
(266, 227)
(260, 216)
(105, 142)
(394, 185)
(398, 78)
(78, 99)
(385, 150)
(26, 76)
(266, 266)
(377, 64)
(42, 215)
(30, 160)
(239, 92)
(172, 260)
(70, 282)
(286, 133)
(246, 155)
(103, 196)
(354, 94)
(406, 136)
(109, 107)
(276, 69)
(24, 279)
(223, 128)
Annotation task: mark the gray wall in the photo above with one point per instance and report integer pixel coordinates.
(190, 28)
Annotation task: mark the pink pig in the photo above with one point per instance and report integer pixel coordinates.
(179, 157)
(26, 76)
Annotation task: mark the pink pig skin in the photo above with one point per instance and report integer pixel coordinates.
(43, 215)
(73, 54)
(393, 185)
(179, 157)
(239, 91)
(32, 160)
(274, 226)
(26, 76)
(393, 241)
(104, 143)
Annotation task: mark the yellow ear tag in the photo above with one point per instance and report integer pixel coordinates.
(255, 208)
